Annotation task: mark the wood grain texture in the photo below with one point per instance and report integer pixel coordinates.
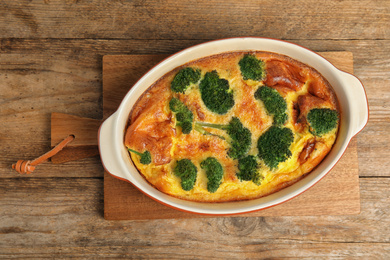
(62, 217)
(339, 193)
(138, 19)
(120, 73)
(217, 250)
(69, 154)
(342, 60)
(84, 129)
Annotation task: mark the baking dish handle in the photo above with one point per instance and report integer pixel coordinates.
(358, 104)
(108, 153)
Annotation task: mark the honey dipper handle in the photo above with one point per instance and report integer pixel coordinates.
(28, 167)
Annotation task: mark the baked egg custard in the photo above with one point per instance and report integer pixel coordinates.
(232, 126)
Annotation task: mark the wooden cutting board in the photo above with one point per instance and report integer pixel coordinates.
(336, 194)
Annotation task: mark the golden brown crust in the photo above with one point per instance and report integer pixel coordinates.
(285, 73)
(152, 127)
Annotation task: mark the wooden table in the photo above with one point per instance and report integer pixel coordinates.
(51, 61)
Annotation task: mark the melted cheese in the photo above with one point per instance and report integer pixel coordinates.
(152, 127)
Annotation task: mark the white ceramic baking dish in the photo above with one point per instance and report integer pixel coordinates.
(348, 88)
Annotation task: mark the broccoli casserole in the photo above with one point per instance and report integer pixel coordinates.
(232, 126)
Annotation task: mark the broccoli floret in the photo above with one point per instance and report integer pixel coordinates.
(274, 104)
(274, 145)
(214, 173)
(322, 120)
(252, 68)
(187, 172)
(240, 137)
(184, 78)
(249, 170)
(215, 93)
(146, 158)
(184, 116)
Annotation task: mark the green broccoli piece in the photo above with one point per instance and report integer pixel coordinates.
(214, 172)
(274, 145)
(146, 158)
(187, 171)
(215, 93)
(252, 68)
(249, 170)
(240, 137)
(322, 120)
(184, 116)
(274, 104)
(201, 130)
(184, 78)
